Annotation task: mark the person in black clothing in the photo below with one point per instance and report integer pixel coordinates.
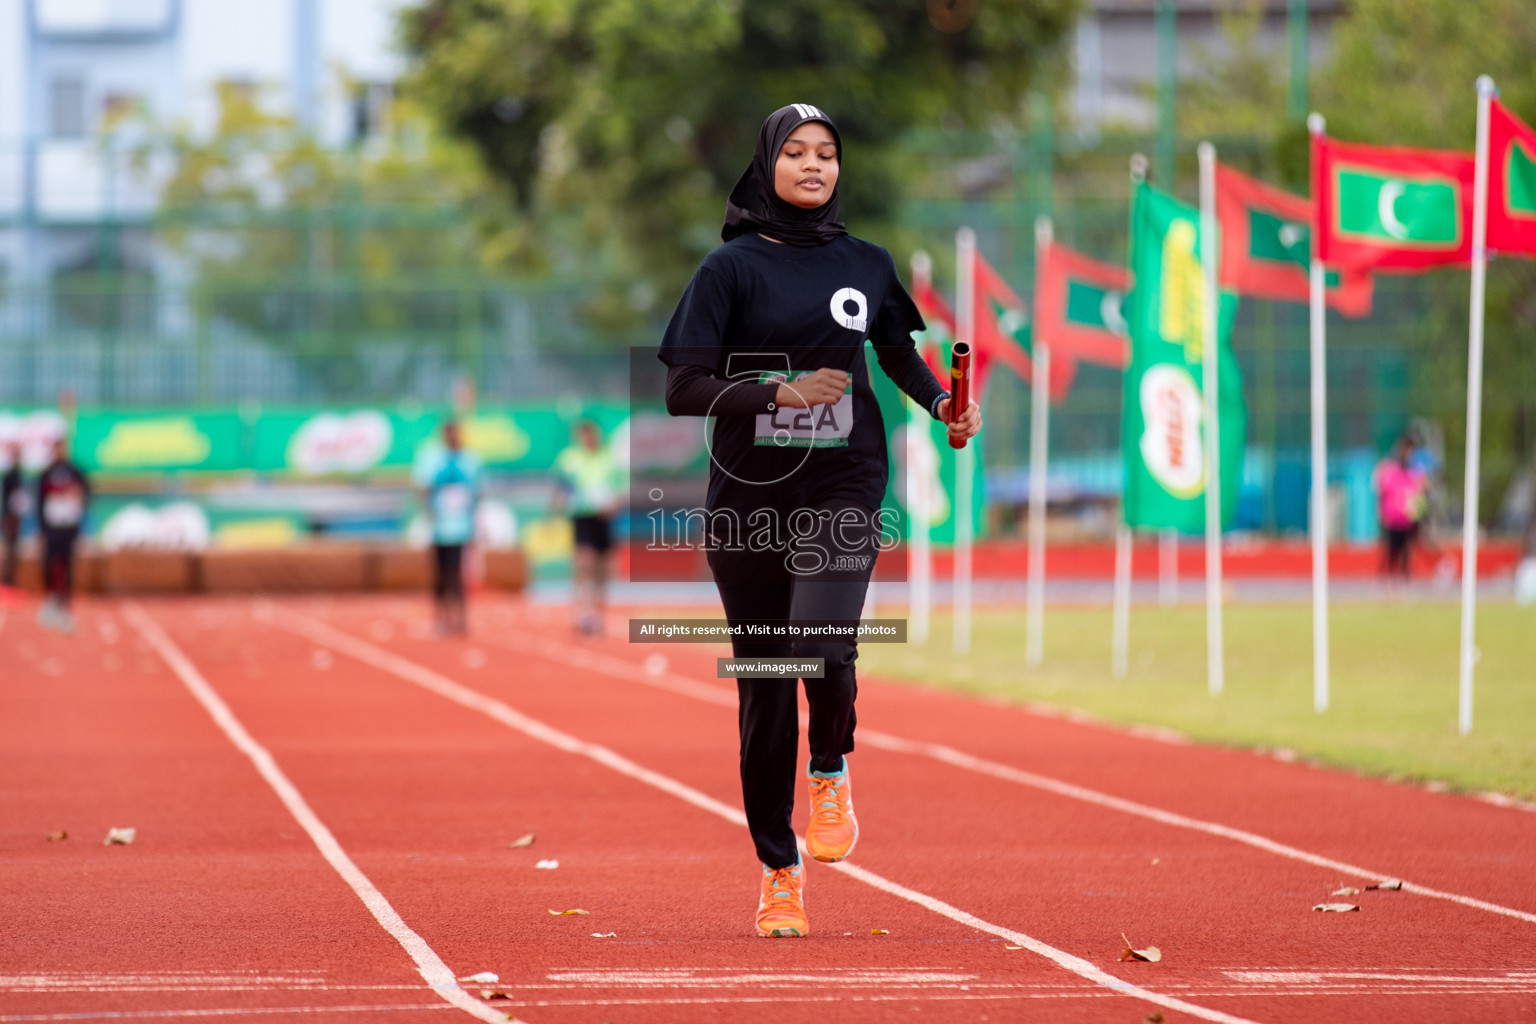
(13, 508)
(769, 339)
(62, 495)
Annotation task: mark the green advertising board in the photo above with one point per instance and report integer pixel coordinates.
(336, 441)
(310, 441)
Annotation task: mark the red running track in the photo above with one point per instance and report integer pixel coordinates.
(415, 762)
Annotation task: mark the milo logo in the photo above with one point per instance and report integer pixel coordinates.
(1171, 438)
(340, 443)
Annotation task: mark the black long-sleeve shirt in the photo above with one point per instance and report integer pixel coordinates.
(757, 314)
(62, 495)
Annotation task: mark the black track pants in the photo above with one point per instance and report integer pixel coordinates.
(59, 564)
(448, 575)
(761, 586)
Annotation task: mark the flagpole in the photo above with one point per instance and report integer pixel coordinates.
(1317, 298)
(1120, 615)
(1120, 628)
(965, 330)
(1485, 94)
(1208, 250)
(920, 586)
(1039, 449)
(1168, 568)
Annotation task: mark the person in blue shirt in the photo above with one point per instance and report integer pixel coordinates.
(450, 482)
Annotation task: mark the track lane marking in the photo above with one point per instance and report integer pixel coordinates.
(435, 682)
(631, 672)
(431, 967)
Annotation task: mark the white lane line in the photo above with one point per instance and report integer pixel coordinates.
(960, 759)
(240, 1011)
(634, 673)
(428, 963)
(441, 685)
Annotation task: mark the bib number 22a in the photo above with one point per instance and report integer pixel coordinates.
(821, 426)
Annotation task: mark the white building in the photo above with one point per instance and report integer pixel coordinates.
(1114, 50)
(69, 67)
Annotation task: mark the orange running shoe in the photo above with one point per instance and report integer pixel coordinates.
(832, 830)
(781, 910)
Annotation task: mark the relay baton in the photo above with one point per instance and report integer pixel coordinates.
(959, 386)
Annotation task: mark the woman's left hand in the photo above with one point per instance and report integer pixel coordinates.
(966, 426)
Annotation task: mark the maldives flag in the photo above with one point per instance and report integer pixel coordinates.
(1077, 307)
(1266, 246)
(1391, 207)
(934, 343)
(1511, 183)
(1003, 332)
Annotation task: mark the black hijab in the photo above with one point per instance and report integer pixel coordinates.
(755, 206)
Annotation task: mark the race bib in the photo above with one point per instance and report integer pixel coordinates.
(822, 426)
(62, 511)
(454, 499)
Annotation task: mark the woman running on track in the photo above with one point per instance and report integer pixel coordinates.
(769, 339)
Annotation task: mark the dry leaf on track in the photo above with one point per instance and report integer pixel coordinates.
(605, 935)
(482, 978)
(1013, 947)
(493, 993)
(564, 913)
(120, 836)
(1335, 908)
(1391, 884)
(879, 931)
(57, 837)
(1347, 890)
(1152, 1018)
(521, 842)
(1149, 955)
(547, 865)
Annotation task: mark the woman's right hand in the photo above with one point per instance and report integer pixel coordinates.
(824, 387)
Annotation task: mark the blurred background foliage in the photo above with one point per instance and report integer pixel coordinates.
(618, 126)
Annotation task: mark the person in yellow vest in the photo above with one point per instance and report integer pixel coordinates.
(591, 491)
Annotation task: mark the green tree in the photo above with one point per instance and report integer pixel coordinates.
(619, 125)
(320, 251)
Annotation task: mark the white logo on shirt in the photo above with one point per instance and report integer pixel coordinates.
(855, 321)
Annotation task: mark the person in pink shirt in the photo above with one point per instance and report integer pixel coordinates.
(1400, 503)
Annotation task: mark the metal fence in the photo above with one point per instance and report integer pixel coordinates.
(134, 323)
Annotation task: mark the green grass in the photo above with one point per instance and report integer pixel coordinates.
(1394, 682)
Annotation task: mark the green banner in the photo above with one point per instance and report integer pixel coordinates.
(331, 442)
(303, 441)
(1162, 434)
(326, 442)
